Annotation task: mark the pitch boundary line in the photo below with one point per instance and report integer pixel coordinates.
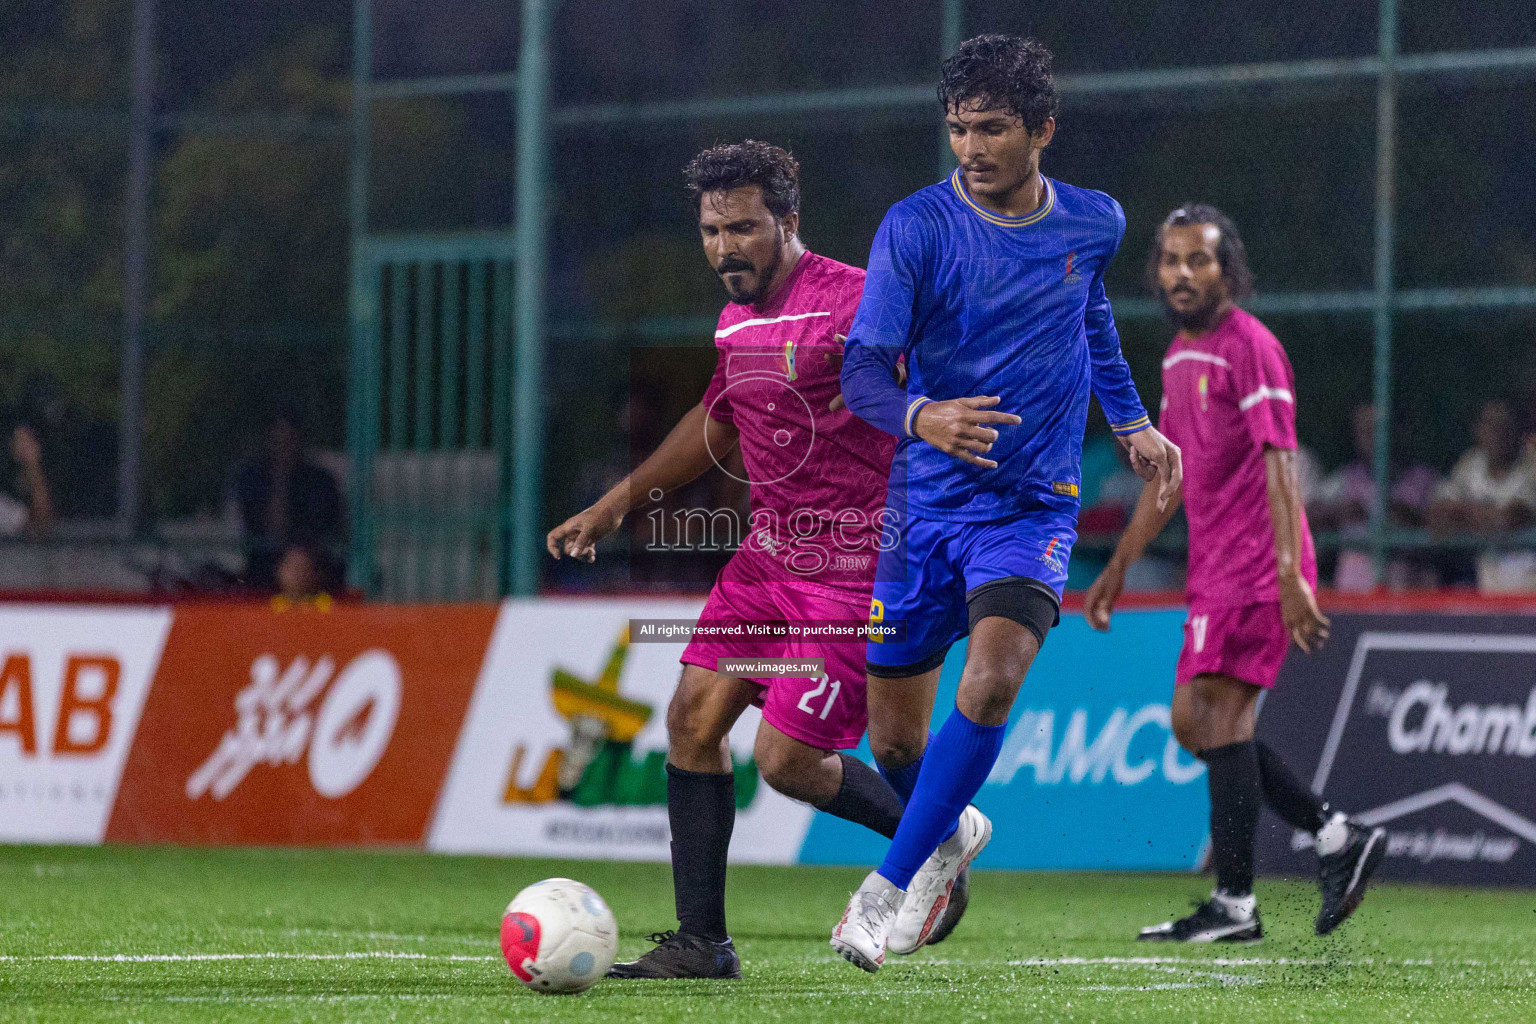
(1065, 961)
(178, 958)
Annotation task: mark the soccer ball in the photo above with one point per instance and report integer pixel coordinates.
(559, 936)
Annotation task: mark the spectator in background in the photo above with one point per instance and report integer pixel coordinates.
(27, 509)
(301, 580)
(289, 505)
(1491, 489)
(1343, 502)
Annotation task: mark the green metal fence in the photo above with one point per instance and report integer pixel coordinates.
(430, 420)
(399, 363)
(521, 444)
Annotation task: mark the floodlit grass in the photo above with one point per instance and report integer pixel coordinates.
(159, 934)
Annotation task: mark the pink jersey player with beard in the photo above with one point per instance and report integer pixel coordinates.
(817, 478)
(1226, 397)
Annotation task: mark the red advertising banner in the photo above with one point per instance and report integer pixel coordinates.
(302, 727)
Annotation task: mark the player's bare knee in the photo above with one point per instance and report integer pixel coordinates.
(775, 762)
(1223, 729)
(1188, 722)
(790, 766)
(986, 697)
(1190, 736)
(897, 742)
(690, 723)
(1225, 708)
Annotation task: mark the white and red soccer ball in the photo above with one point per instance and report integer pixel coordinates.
(559, 936)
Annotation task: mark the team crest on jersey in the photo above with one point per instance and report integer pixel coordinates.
(1050, 558)
(1205, 391)
(789, 358)
(1072, 276)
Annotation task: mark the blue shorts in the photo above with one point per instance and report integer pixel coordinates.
(922, 581)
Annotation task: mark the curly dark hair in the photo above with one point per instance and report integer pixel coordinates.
(1230, 251)
(1011, 72)
(739, 164)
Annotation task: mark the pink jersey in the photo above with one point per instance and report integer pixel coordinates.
(817, 477)
(1226, 397)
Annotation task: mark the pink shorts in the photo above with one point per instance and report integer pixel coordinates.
(1246, 642)
(827, 712)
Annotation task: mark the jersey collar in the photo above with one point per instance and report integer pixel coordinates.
(957, 182)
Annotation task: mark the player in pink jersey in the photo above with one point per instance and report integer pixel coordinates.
(1229, 403)
(818, 476)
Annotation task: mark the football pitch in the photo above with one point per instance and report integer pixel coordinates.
(162, 934)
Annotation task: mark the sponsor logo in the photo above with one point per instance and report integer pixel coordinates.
(563, 752)
(599, 766)
(1064, 488)
(72, 686)
(297, 728)
(83, 723)
(293, 712)
(1448, 712)
(1420, 719)
(1118, 752)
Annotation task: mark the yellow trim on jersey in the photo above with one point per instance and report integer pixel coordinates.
(912, 407)
(1131, 427)
(996, 218)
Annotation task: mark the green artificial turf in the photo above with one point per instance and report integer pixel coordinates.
(277, 935)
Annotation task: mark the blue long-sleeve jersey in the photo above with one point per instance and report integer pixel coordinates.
(983, 304)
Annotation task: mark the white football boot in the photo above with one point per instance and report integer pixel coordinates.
(929, 892)
(860, 936)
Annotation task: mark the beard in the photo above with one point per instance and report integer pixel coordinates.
(751, 289)
(1197, 318)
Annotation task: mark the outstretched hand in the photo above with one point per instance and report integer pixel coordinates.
(579, 535)
(961, 427)
(1099, 602)
(1305, 622)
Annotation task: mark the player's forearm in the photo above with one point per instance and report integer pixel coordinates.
(1109, 373)
(1116, 392)
(870, 388)
(686, 453)
(1146, 523)
(1284, 491)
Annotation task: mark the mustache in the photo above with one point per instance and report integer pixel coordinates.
(728, 266)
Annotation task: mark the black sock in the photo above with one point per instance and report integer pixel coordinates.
(1286, 796)
(865, 798)
(702, 809)
(1236, 796)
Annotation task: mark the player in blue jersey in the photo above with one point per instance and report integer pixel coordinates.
(991, 284)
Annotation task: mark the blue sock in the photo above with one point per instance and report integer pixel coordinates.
(904, 779)
(958, 761)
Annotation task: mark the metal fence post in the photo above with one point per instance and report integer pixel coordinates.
(136, 268)
(363, 385)
(1386, 186)
(951, 33)
(528, 362)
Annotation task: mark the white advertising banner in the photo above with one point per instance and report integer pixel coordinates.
(563, 750)
(72, 687)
